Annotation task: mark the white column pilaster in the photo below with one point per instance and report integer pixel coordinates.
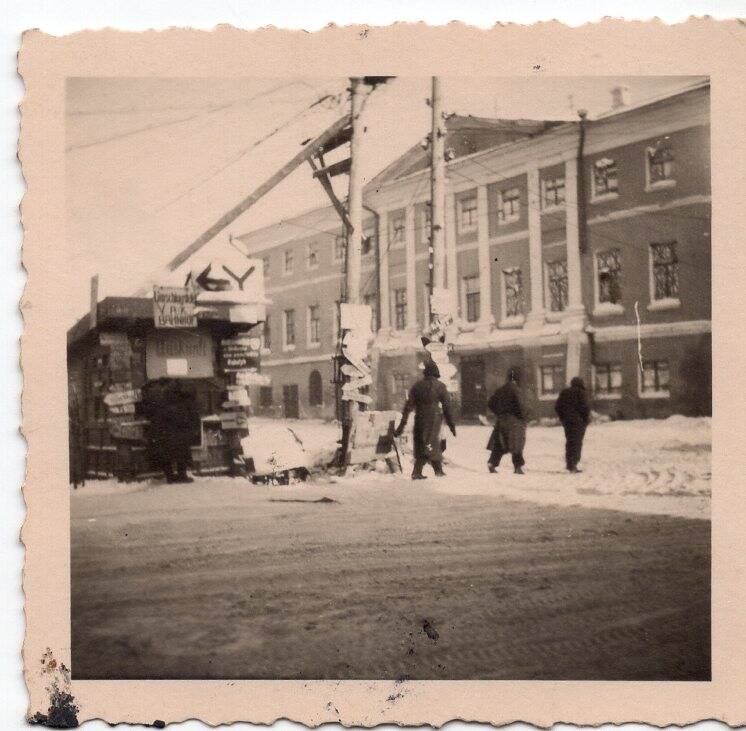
(536, 267)
(411, 272)
(451, 259)
(383, 275)
(572, 233)
(486, 319)
(573, 321)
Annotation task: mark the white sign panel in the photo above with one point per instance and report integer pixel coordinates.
(174, 306)
(355, 317)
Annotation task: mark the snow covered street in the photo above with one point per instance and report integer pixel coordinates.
(646, 466)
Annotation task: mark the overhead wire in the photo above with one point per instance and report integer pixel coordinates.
(171, 122)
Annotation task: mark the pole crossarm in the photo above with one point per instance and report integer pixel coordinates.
(327, 186)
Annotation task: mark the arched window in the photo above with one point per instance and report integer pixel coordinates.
(315, 390)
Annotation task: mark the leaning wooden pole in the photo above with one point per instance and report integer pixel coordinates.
(228, 218)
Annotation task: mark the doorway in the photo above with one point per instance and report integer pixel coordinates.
(473, 400)
(290, 401)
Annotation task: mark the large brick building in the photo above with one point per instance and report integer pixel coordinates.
(559, 263)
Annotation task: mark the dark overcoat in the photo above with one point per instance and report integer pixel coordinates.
(509, 433)
(572, 406)
(429, 400)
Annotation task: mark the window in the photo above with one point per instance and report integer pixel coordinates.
(607, 379)
(557, 285)
(315, 389)
(471, 298)
(552, 193)
(396, 230)
(604, 181)
(369, 242)
(265, 396)
(313, 256)
(509, 206)
(340, 246)
(551, 380)
(289, 330)
(314, 335)
(664, 273)
(400, 309)
(288, 261)
(265, 265)
(513, 287)
(372, 301)
(467, 215)
(266, 335)
(659, 165)
(399, 383)
(608, 277)
(654, 380)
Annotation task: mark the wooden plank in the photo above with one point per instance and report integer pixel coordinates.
(310, 149)
(336, 168)
(342, 138)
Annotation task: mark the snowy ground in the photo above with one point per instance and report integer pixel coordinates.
(645, 466)
(374, 576)
(650, 466)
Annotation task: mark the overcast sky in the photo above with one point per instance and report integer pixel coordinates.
(152, 163)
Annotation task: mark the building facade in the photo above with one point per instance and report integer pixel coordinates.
(569, 252)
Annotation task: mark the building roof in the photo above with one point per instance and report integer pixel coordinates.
(465, 135)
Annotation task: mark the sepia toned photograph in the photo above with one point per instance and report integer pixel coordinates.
(389, 377)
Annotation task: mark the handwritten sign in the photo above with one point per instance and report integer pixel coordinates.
(174, 306)
(239, 354)
(250, 378)
(120, 398)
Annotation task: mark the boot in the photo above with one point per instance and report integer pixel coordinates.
(519, 471)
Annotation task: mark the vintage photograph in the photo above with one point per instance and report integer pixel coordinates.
(389, 378)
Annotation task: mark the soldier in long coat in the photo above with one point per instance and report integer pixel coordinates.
(182, 421)
(574, 412)
(429, 400)
(509, 433)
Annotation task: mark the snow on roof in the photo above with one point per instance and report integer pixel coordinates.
(465, 135)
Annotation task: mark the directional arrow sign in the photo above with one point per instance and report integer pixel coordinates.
(356, 396)
(208, 283)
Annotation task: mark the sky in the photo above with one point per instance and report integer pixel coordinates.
(153, 162)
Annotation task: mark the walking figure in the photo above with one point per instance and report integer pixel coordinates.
(429, 400)
(509, 433)
(575, 414)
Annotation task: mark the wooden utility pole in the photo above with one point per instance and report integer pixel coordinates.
(437, 189)
(355, 199)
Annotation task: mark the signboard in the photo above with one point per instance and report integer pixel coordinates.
(173, 307)
(113, 339)
(119, 398)
(128, 429)
(250, 378)
(355, 317)
(173, 353)
(226, 276)
(234, 420)
(441, 302)
(372, 436)
(239, 354)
